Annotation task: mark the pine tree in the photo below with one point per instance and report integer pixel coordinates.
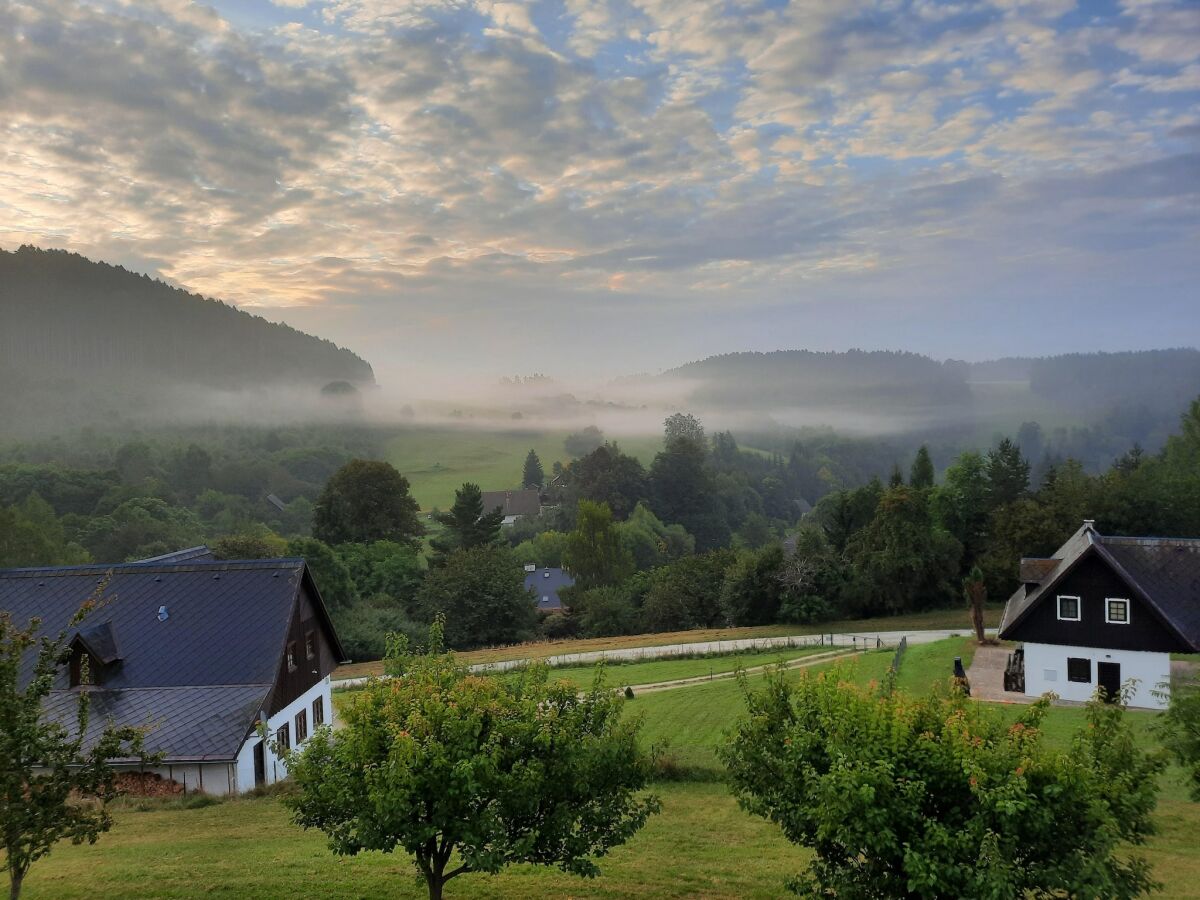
(466, 524)
(1008, 474)
(921, 473)
(534, 475)
(896, 479)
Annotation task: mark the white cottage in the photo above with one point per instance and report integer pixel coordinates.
(1105, 611)
(200, 651)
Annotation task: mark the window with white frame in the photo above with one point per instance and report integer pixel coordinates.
(1068, 608)
(1116, 611)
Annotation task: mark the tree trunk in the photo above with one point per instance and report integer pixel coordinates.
(977, 594)
(435, 883)
(14, 885)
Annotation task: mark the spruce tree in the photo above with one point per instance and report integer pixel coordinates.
(534, 475)
(466, 524)
(921, 474)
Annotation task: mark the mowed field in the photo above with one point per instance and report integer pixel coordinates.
(436, 461)
(937, 618)
(701, 845)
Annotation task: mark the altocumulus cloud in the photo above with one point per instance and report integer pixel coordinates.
(366, 167)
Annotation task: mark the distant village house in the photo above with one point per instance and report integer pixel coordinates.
(514, 504)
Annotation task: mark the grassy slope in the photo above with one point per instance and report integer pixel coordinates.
(698, 846)
(947, 618)
(671, 669)
(437, 461)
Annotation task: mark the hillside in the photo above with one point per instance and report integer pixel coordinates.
(66, 318)
(1137, 395)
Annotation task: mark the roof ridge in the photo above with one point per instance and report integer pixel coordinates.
(135, 568)
(1131, 539)
(167, 687)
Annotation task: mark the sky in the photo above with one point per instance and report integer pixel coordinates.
(581, 187)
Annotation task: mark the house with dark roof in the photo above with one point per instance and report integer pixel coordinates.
(1106, 611)
(545, 583)
(514, 504)
(197, 651)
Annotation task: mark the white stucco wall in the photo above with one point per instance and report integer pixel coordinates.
(1046, 670)
(275, 768)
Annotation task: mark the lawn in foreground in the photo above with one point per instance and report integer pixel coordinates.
(701, 845)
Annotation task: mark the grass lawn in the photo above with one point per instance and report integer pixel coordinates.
(701, 845)
(941, 618)
(436, 461)
(698, 846)
(620, 674)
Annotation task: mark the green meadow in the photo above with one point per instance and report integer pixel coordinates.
(436, 461)
(701, 845)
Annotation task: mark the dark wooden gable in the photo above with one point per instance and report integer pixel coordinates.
(309, 653)
(1093, 580)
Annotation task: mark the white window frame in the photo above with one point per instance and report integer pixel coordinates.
(1128, 610)
(1078, 608)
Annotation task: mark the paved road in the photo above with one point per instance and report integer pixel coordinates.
(859, 639)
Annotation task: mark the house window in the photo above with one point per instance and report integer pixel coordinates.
(310, 645)
(1116, 612)
(1068, 608)
(283, 737)
(291, 656)
(318, 712)
(1079, 669)
(301, 725)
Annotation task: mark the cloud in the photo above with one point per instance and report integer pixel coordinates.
(476, 155)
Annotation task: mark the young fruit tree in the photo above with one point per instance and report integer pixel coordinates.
(470, 773)
(55, 781)
(941, 797)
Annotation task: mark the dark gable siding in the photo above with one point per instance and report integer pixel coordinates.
(290, 685)
(1092, 581)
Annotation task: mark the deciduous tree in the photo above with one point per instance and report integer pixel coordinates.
(55, 784)
(941, 796)
(486, 772)
(363, 501)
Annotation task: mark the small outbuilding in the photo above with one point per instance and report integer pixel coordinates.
(545, 583)
(1106, 611)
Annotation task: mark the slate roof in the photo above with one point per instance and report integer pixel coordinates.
(526, 502)
(193, 724)
(202, 671)
(546, 583)
(1164, 572)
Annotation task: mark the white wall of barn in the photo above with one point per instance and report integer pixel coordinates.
(275, 769)
(1046, 671)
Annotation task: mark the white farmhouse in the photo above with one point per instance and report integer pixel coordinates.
(1103, 612)
(198, 651)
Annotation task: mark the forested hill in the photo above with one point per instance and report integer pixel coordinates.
(1161, 380)
(66, 318)
(805, 377)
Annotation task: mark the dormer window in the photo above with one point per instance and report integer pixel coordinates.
(83, 668)
(1068, 608)
(1116, 611)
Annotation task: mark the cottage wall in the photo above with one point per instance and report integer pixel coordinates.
(1046, 671)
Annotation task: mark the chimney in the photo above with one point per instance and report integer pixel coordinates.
(1089, 524)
